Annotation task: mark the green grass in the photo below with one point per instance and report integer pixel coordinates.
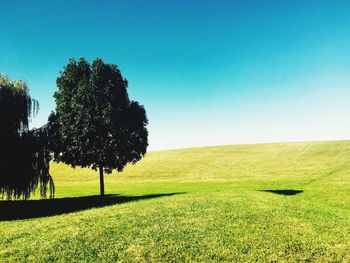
(218, 215)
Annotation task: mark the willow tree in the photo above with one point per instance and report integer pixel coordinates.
(97, 125)
(24, 153)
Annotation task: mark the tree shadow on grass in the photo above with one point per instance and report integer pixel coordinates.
(13, 210)
(283, 192)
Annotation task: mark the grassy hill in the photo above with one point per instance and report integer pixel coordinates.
(266, 202)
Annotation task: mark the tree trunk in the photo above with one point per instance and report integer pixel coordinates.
(102, 184)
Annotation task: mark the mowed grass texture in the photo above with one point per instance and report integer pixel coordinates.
(200, 205)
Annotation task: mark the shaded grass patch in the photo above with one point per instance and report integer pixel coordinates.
(283, 192)
(14, 210)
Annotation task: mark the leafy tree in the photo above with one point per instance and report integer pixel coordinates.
(96, 124)
(24, 153)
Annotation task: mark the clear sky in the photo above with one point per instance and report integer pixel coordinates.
(208, 72)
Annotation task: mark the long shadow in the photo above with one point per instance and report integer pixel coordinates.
(283, 192)
(13, 210)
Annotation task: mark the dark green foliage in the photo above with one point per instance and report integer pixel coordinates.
(16, 106)
(97, 124)
(24, 153)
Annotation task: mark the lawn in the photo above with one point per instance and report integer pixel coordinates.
(286, 202)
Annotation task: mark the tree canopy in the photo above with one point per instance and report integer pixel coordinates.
(24, 153)
(96, 124)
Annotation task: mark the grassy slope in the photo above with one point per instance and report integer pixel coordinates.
(220, 214)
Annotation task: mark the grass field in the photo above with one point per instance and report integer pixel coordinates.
(200, 204)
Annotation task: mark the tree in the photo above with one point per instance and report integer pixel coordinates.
(24, 153)
(97, 125)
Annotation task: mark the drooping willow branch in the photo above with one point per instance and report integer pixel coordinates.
(24, 153)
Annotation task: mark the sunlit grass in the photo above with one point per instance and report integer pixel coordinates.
(220, 214)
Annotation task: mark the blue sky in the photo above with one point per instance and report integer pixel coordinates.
(208, 72)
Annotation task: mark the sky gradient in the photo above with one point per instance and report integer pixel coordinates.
(207, 72)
